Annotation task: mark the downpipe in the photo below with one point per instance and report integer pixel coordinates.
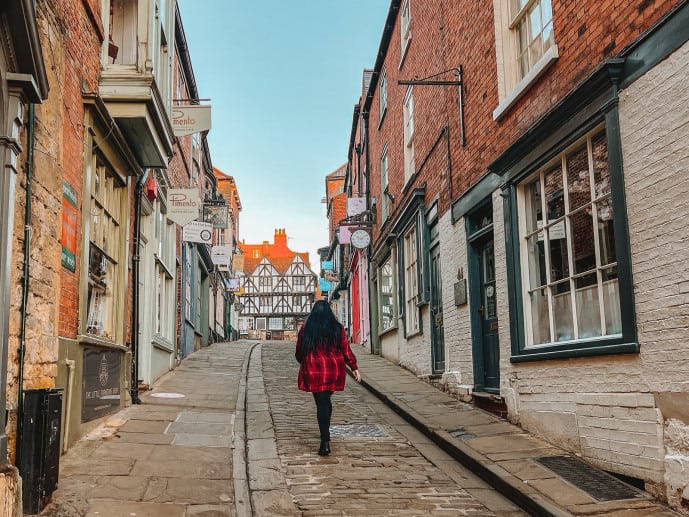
(136, 265)
(70, 363)
(25, 281)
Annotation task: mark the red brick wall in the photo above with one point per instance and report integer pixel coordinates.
(71, 51)
(446, 34)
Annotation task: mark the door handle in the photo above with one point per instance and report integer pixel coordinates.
(482, 310)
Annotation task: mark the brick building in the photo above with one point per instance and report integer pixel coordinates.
(525, 158)
(89, 273)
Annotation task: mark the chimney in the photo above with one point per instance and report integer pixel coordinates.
(280, 238)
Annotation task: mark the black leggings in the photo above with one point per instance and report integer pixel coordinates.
(324, 409)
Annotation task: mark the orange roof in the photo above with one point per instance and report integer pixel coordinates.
(279, 255)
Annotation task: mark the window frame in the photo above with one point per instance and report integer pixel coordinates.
(405, 28)
(392, 295)
(106, 206)
(551, 146)
(408, 121)
(410, 275)
(384, 185)
(382, 95)
(511, 84)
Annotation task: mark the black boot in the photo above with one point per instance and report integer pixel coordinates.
(324, 449)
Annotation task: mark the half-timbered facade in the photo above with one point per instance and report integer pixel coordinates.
(278, 290)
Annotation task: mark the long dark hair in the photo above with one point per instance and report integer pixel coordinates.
(321, 327)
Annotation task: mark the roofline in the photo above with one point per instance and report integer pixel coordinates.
(382, 52)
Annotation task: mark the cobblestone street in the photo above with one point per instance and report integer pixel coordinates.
(379, 465)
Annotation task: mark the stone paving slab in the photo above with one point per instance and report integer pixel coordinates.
(121, 509)
(502, 453)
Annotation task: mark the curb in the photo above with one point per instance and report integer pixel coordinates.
(506, 484)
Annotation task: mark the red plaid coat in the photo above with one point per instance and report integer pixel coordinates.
(324, 368)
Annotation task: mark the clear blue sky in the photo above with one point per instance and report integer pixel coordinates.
(283, 78)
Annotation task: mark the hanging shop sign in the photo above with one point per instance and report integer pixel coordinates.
(187, 120)
(327, 265)
(233, 285)
(196, 231)
(221, 256)
(216, 215)
(183, 205)
(355, 205)
(324, 285)
(69, 227)
(101, 385)
(345, 235)
(238, 262)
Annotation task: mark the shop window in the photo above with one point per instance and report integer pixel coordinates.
(411, 282)
(386, 296)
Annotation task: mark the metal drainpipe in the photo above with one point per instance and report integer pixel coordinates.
(25, 280)
(136, 263)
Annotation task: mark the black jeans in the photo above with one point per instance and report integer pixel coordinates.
(324, 410)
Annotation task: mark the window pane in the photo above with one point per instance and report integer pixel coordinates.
(562, 312)
(536, 258)
(583, 245)
(601, 173)
(606, 232)
(539, 317)
(559, 254)
(535, 21)
(611, 302)
(578, 179)
(588, 307)
(534, 208)
(555, 204)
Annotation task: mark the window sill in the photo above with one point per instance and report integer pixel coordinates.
(549, 57)
(92, 339)
(569, 351)
(388, 330)
(161, 343)
(413, 334)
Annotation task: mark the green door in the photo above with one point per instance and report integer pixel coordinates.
(437, 328)
(488, 317)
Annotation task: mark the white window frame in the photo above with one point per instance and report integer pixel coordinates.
(512, 83)
(384, 171)
(408, 108)
(563, 227)
(275, 324)
(299, 282)
(262, 303)
(107, 233)
(405, 28)
(260, 324)
(382, 95)
(411, 281)
(387, 295)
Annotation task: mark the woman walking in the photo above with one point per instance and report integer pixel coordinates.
(323, 350)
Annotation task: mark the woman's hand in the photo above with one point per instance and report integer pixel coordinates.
(357, 375)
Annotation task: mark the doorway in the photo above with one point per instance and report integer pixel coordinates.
(437, 326)
(483, 300)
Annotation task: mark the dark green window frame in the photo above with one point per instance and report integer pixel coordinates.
(618, 344)
(594, 103)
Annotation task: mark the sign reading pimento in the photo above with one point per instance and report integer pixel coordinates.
(187, 120)
(183, 205)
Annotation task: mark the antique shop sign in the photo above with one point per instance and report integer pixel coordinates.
(101, 383)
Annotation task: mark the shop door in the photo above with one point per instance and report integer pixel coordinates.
(437, 327)
(486, 306)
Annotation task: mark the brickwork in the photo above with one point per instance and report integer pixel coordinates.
(654, 150)
(458, 349)
(603, 408)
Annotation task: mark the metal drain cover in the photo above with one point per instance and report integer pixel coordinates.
(462, 434)
(358, 431)
(598, 484)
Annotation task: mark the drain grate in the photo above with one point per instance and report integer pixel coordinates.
(462, 434)
(598, 484)
(358, 431)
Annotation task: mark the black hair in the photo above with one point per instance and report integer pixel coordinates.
(321, 327)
